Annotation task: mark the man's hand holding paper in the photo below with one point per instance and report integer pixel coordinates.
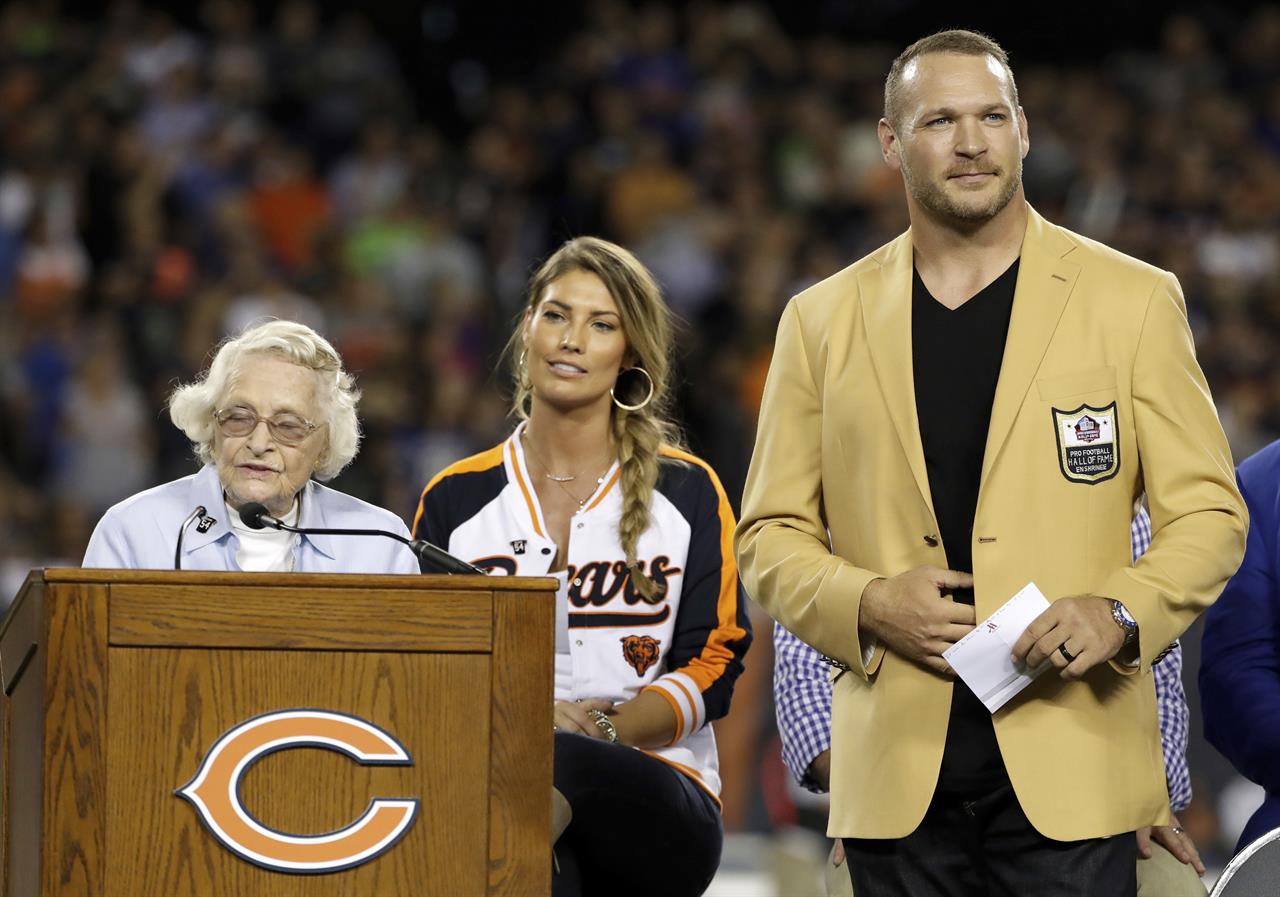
(982, 658)
(1074, 634)
(1026, 636)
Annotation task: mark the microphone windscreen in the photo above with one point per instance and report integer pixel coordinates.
(252, 515)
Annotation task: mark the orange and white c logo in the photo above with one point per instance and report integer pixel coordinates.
(215, 791)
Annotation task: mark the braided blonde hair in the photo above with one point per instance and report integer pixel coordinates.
(640, 435)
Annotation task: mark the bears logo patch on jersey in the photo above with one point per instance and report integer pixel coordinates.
(641, 651)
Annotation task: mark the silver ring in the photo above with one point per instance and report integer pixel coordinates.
(1062, 649)
(1178, 830)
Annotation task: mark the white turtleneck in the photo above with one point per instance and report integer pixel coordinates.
(266, 550)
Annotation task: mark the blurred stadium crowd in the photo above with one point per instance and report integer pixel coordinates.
(163, 184)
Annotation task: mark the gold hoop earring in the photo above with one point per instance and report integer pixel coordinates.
(521, 371)
(647, 399)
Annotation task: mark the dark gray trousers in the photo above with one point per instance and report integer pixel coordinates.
(986, 847)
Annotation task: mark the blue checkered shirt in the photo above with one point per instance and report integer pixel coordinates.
(802, 696)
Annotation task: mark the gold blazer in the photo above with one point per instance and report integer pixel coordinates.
(1099, 400)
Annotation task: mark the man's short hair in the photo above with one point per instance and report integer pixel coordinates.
(965, 43)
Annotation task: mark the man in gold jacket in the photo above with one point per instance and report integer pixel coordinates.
(977, 405)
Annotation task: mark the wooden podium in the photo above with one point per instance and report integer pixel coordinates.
(119, 684)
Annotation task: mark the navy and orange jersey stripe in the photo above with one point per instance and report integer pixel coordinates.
(713, 630)
(457, 493)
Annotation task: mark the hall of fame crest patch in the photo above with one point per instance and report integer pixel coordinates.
(1088, 445)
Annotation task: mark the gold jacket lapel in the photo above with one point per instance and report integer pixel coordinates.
(1045, 281)
(886, 313)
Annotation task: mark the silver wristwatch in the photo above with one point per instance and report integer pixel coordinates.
(1125, 621)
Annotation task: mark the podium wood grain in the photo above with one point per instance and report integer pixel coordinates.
(118, 682)
(519, 811)
(450, 621)
(25, 629)
(169, 706)
(75, 771)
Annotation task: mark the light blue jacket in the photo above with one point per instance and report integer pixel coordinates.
(141, 532)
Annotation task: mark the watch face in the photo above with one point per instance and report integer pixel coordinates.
(1125, 615)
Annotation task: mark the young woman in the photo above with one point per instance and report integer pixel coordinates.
(651, 625)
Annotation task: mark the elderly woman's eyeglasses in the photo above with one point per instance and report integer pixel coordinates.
(287, 429)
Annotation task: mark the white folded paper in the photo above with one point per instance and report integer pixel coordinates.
(982, 658)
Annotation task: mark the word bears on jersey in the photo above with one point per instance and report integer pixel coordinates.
(597, 583)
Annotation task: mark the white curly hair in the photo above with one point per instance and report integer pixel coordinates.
(191, 407)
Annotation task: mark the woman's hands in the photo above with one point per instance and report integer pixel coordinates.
(646, 721)
(572, 716)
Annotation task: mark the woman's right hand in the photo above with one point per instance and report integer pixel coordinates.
(571, 716)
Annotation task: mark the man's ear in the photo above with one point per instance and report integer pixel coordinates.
(888, 144)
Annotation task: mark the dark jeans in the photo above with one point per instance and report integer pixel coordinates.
(986, 846)
(639, 826)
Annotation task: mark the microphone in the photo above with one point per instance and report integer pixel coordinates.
(255, 516)
(182, 531)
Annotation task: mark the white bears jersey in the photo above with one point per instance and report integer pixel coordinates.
(688, 647)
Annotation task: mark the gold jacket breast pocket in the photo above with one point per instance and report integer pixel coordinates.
(1086, 426)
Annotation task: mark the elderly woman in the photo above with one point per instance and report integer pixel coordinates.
(274, 413)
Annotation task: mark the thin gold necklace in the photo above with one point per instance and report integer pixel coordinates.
(561, 480)
(581, 501)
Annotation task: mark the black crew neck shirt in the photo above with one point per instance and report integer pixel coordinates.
(956, 358)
